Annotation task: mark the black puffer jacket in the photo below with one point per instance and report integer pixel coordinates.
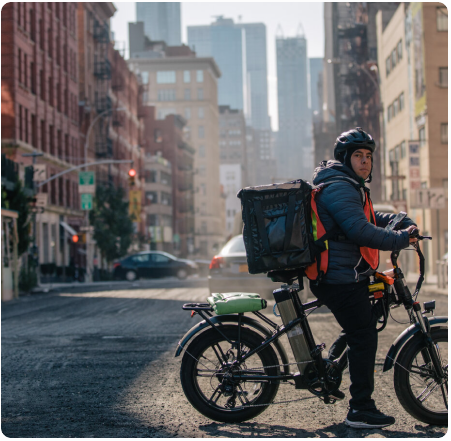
(341, 204)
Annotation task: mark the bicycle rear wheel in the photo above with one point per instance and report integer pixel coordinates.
(419, 389)
(206, 375)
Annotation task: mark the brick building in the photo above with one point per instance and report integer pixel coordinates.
(40, 112)
(164, 141)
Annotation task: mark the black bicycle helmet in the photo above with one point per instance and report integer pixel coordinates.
(348, 142)
(353, 140)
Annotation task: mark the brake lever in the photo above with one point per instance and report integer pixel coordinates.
(424, 238)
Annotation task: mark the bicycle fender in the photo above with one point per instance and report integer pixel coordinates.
(231, 318)
(402, 339)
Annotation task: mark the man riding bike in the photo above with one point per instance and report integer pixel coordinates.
(353, 256)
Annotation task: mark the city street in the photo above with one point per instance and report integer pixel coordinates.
(101, 364)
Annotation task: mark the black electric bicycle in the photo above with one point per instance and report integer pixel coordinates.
(233, 364)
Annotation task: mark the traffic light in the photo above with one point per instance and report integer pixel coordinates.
(131, 177)
(74, 238)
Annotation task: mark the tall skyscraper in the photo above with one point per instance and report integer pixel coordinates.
(161, 21)
(316, 68)
(294, 149)
(240, 51)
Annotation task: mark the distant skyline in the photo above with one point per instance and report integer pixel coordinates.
(287, 15)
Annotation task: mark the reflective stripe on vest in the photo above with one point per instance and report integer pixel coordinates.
(318, 231)
(370, 255)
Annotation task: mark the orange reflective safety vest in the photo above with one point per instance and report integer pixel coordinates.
(319, 267)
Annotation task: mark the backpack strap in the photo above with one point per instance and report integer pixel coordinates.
(361, 189)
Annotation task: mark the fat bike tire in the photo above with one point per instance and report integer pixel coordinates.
(211, 393)
(419, 393)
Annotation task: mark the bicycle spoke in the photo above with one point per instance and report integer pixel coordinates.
(223, 359)
(241, 395)
(424, 395)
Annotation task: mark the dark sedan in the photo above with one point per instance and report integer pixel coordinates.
(229, 272)
(153, 264)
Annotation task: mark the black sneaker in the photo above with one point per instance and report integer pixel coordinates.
(368, 419)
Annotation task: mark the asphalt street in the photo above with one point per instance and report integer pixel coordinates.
(101, 364)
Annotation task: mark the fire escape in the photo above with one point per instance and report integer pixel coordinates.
(102, 72)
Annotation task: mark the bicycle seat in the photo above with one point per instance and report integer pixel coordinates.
(285, 276)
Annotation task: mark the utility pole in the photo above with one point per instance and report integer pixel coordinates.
(35, 254)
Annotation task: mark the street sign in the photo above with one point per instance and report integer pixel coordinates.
(39, 172)
(90, 228)
(86, 182)
(434, 198)
(414, 165)
(86, 201)
(41, 200)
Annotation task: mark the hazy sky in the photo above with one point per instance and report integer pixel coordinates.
(288, 15)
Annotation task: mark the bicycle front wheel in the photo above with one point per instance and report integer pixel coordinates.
(419, 388)
(207, 381)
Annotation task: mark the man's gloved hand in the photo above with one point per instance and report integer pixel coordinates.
(413, 231)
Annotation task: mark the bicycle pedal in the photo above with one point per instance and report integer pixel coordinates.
(329, 400)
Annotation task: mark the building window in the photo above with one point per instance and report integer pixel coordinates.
(201, 151)
(187, 94)
(202, 171)
(443, 76)
(393, 59)
(399, 49)
(20, 66)
(444, 133)
(166, 95)
(200, 94)
(166, 77)
(200, 76)
(387, 66)
(145, 77)
(150, 176)
(187, 113)
(200, 112)
(186, 76)
(442, 19)
(201, 132)
(158, 135)
(422, 136)
(166, 198)
(389, 113)
(152, 197)
(403, 149)
(165, 178)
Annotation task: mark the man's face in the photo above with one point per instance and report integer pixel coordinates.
(361, 163)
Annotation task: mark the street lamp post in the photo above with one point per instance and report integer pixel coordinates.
(88, 233)
(34, 155)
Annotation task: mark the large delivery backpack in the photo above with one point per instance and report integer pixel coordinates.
(280, 226)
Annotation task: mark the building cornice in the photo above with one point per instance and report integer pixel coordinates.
(183, 61)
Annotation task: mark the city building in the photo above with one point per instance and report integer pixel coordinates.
(351, 95)
(161, 21)
(226, 43)
(183, 84)
(169, 183)
(40, 115)
(315, 81)
(294, 149)
(232, 159)
(240, 51)
(412, 53)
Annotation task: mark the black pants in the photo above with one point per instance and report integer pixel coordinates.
(353, 311)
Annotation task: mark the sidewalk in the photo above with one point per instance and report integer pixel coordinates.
(46, 287)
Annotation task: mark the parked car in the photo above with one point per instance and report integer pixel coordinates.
(153, 264)
(229, 272)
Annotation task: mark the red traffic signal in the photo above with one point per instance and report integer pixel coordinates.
(131, 179)
(74, 238)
